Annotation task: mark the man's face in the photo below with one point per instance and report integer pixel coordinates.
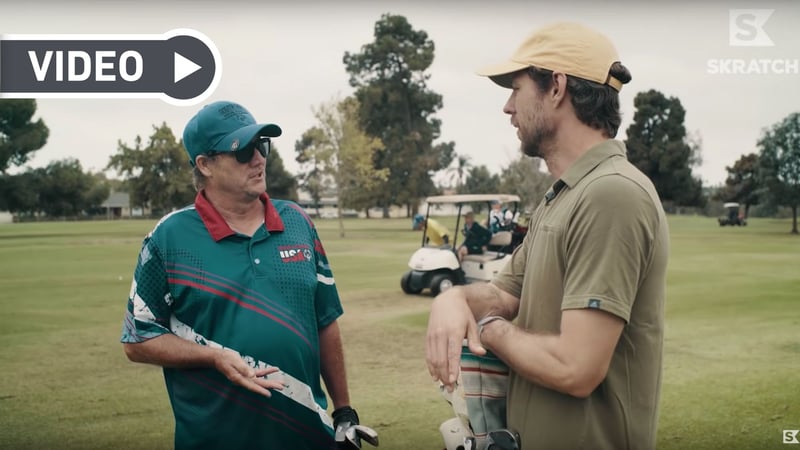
(237, 180)
(525, 105)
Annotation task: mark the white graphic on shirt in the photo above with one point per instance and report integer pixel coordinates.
(293, 388)
(325, 280)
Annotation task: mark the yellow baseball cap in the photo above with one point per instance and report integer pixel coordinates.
(566, 47)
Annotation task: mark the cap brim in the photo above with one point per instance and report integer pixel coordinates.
(244, 135)
(502, 74)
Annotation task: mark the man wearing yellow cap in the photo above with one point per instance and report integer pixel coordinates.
(587, 287)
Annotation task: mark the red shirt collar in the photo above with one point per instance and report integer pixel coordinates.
(218, 228)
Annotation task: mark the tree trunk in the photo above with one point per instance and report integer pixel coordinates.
(341, 219)
(794, 219)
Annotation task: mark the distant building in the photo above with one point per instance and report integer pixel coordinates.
(117, 205)
(6, 217)
(327, 208)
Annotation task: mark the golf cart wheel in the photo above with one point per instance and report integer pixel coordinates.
(405, 284)
(440, 283)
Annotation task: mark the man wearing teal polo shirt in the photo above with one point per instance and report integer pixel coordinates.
(234, 297)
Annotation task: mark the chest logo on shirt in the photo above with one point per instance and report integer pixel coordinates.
(294, 253)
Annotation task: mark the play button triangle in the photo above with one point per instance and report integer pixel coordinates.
(184, 67)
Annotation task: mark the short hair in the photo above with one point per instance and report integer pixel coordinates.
(198, 179)
(595, 104)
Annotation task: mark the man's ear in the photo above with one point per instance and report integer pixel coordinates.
(558, 90)
(203, 163)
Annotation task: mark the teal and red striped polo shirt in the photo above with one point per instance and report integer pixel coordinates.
(265, 296)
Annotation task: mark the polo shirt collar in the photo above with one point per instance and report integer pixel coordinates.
(591, 159)
(218, 228)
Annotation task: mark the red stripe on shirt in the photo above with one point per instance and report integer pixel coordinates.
(228, 392)
(227, 296)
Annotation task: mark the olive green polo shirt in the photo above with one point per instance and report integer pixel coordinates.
(598, 240)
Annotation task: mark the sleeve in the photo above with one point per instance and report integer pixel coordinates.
(148, 312)
(440, 229)
(609, 243)
(327, 304)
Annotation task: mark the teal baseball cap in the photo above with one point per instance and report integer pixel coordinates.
(223, 127)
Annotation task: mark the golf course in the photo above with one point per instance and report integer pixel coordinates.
(732, 345)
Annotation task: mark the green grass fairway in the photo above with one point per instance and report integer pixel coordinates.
(731, 369)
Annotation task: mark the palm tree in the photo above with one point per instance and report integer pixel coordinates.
(462, 166)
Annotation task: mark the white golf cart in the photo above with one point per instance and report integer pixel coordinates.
(437, 268)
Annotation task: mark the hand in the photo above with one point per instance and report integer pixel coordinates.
(231, 364)
(348, 433)
(450, 321)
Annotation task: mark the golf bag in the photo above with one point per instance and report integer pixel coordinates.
(479, 402)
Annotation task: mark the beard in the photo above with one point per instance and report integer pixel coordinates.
(537, 140)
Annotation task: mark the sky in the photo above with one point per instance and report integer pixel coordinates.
(282, 58)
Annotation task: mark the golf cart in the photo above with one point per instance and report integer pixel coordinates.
(437, 267)
(732, 216)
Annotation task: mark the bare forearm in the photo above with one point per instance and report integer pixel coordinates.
(486, 299)
(535, 357)
(573, 362)
(169, 350)
(332, 365)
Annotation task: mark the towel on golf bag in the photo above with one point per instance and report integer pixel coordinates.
(479, 399)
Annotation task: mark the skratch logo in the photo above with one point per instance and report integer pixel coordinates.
(294, 253)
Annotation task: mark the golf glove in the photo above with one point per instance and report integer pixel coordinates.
(348, 432)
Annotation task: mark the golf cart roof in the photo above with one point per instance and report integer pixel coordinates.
(471, 198)
(730, 205)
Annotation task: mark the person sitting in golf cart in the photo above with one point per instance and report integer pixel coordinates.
(476, 237)
(500, 219)
(436, 234)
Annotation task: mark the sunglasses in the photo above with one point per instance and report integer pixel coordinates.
(261, 143)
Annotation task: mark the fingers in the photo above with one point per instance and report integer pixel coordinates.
(450, 321)
(240, 373)
(262, 371)
(474, 340)
(269, 383)
(453, 359)
(436, 354)
(258, 384)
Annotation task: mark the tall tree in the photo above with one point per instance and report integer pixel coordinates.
(19, 194)
(390, 77)
(61, 189)
(742, 183)
(157, 176)
(65, 190)
(313, 155)
(459, 168)
(19, 137)
(525, 178)
(280, 183)
(780, 163)
(343, 153)
(659, 146)
(480, 181)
